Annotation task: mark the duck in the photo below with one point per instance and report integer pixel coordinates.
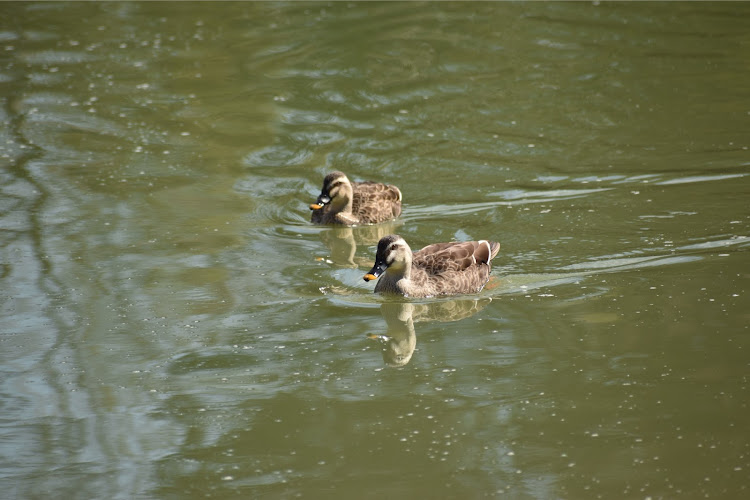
(439, 269)
(352, 203)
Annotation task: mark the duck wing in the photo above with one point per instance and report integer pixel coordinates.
(375, 202)
(439, 258)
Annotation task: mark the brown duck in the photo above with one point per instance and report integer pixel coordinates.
(437, 269)
(349, 203)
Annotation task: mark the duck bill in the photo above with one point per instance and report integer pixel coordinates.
(379, 337)
(322, 201)
(376, 271)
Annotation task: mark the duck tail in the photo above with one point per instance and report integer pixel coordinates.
(486, 251)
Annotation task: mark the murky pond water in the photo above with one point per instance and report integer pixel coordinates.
(174, 327)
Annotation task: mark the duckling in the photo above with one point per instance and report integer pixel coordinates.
(349, 203)
(437, 269)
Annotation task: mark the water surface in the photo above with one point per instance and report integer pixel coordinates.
(174, 327)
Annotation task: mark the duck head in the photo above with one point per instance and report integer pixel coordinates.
(393, 254)
(337, 191)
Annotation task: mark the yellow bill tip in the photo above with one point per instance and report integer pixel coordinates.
(315, 206)
(370, 277)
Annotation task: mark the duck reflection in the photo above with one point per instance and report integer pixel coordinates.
(400, 339)
(342, 242)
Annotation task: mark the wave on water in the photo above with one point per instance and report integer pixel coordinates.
(574, 273)
(699, 178)
(628, 263)
(543, 196)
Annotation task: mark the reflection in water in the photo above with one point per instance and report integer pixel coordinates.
(400, 339)
(342, 242)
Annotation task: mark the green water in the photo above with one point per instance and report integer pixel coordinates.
(172, 326)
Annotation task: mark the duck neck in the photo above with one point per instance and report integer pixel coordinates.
(344, 201)
(401, 269)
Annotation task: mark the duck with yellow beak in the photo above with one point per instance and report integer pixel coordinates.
(437, 269)
(352, 203)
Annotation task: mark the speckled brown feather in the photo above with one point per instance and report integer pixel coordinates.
(437, 269)
(362, 203)
(375, 202)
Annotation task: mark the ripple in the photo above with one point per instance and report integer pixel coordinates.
(57, 57)
(417, 212)
(277, 156)
(525, 196)
(706, 245)
(320, 73)
(189, 362)
(619, 264)
(699, 178)
(7, 36)
(284, 201)
(524, 283)
(318, 137)
(370, 144)
(290, 218)
(77, 120)
(314, 117)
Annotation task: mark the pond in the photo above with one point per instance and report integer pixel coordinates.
(173, 326)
